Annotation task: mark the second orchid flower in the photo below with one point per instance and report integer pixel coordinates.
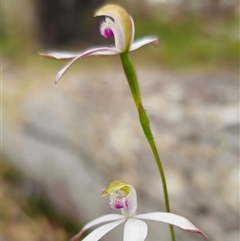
(123, 196)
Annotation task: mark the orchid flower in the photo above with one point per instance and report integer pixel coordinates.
(124, 197)
(118, 24)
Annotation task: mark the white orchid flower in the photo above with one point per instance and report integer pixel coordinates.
(119, 24)
(124, 197)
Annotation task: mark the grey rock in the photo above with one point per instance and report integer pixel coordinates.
(76, 137)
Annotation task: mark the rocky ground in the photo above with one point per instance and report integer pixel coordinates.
(72, 139)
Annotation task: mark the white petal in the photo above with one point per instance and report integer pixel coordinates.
(102, 219)
(144, 41)
(101, 231)
(172, 219)
(63, 55)
(98, 51)
(101, 51)
(60, 55)
(135, 230)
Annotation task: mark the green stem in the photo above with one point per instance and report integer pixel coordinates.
(134, 87)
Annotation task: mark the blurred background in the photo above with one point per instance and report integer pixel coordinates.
(62, 144)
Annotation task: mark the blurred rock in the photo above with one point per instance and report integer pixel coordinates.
(75, 137)
(25, 212)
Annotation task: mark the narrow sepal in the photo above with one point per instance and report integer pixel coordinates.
(144, 41)
(97, 51)
(59, 55)
(172, 219)
(101, 231)
(97, 221)
(135, 230)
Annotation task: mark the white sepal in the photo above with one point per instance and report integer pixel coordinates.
(97, 51)
(144, 41)
(172, 219)
(102, 219)
(135, 230)
(101, 231)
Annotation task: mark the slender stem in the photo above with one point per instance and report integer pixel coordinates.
(144, 121)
